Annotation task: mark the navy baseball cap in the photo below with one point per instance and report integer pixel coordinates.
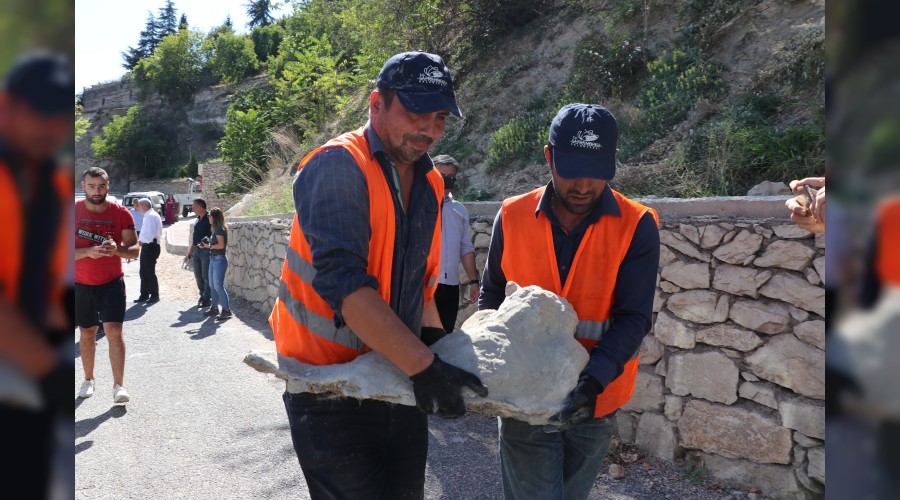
(421, 81)
(45, 82)
(583, 138)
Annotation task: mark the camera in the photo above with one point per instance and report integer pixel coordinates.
(205, 240)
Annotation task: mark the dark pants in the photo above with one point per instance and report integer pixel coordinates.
(201, 272)
(28, 440)
(351, 448)
(446, 298)
(149, 282)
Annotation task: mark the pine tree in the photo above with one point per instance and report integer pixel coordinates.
(260, 12)
(167, 22)
(183, 24)
(148, 40)
(228, 22)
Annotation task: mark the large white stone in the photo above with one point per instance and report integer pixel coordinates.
(807, 418)
(819, 264)
(791, 363)
(796, 291)
(687, 275)
(525, 353)
(786, 254)
(648, 393)
(739, 280)
(673, 407)
(678, 242)
(699, 306)
(734, 433)
(708, 375)
(811, 332)
(670, 331)
(759, 393)
(656, 436)
(625, 425)
(791, 232)
(816, 467)
(651, 350)
(736, 251)
(774, 481)
(761, 317)
(711, 236)
(769, 188)
(690, 232)
(729, 336)
(666, 256)
(482, 241)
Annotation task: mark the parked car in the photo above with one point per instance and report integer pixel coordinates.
(156, 198)
(186, 201)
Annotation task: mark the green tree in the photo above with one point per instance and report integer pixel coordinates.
(174, 69)
(139, 141)
(260, 13)
(183, 23)
(167, 22)
(148, 40)
(81, 123)
(266, 41)
(232, 57)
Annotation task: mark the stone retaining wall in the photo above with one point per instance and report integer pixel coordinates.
(733, 371)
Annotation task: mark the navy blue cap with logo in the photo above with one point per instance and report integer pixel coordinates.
(44, 81)
(583, 139)
(421, 81)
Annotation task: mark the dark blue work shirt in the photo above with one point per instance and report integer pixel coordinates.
(332, 202)
(201, 228)
(632, 308)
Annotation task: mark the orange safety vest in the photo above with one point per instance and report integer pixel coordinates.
(14, 227)
(302, 322)
(529, 259)
(887, 265)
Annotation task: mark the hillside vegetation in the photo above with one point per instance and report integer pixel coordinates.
(711, 96)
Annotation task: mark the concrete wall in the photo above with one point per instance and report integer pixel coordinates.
(215, 175)
(733, 370)
(165, 186)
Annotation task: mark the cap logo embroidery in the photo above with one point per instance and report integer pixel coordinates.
(586, 139)
(433, 76)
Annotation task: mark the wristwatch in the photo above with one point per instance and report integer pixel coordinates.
(474, 282)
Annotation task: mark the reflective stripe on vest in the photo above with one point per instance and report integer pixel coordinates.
(887, 265)
(302, 322)
(529, 258)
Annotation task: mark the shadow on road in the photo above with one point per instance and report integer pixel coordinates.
(88, 425)
(208, 328)
(136, 311)
(250, 316)
(84, 445)
(78, 402)
(192, 315)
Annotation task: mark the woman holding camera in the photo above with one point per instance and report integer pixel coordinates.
(218, 264)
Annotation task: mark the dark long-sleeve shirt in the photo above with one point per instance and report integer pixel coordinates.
(632, 308)
(332, 202)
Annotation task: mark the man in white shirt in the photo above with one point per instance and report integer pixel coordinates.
(149, 240)
(137, 214)
(456, 246)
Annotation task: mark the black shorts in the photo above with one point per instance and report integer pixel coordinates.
(107, 299)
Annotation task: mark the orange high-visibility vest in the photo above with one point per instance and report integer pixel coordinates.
(887, 265)
(12, 260)
(302, 322)
(529, 259)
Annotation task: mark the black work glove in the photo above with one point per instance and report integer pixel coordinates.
(438, 389)
(580, 404)
(429, 334)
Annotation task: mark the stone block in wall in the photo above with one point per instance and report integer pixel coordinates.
(770, 318)
(690, 232)
(804, 417)
(811, 276)
(734, 433)
(656, 436)
(280, 250)
(711, 235)
(669, 287)
(811, 332)
(819, 265)
(708, 375)
(651, 350)
(626, 424)
(687, 275)
(729, 336)
(774, 481)
(798, 314)
(670, 331)
(739, 280)
(480, 260)
(744, 245)
(796, 291)
(820, 240)
(816, 467)
(699, 306)
(758, 393)
(658, 301)
(791, 232)
(791, 363)
(482, 241)
(665, 256)
(673, 407)
(678, 242)
(806, 441)
(648, 393)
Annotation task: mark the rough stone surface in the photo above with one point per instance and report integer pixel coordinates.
(791, 363)
(798, 314)
(687, 275)
(651, 350)
(820, 240)
(690, 232)
(816, 467)
(736, 251)
(648, 393)
(819, 264)
(625, 424)
(711, 236)
(670, 331)
(662, 367)
(680, 243)
(729, 336)
(806, 441)
(655, 436)
(528, 375)
(759, 393)
(699, 306)
(812, 276)
(811, 332)
(669, 287)
(803, 417)
(673, 407)
(760, 317)
(769, 188)
(739, 280)
(482, 241)
(774, 481)
(658, 301)
(666, 256)
(791, 232)
(786, 254)
(796, 291)
(734, 433)
(708, 375)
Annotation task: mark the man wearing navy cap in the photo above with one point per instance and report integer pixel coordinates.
(360, 274)
(36, 297)
(600, 251)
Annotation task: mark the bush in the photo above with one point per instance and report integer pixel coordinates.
(705, 17)
(603, 69)
(174, 69)
(233, 57)
(140, 140)
(520, 140)
(266, 41)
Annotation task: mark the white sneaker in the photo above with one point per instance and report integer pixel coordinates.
(87, 389)
(120, 395)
